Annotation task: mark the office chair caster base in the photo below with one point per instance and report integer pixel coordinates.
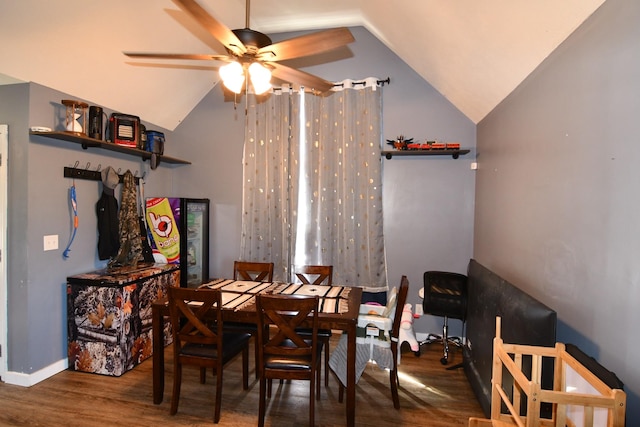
(444, 360)
(456, 366)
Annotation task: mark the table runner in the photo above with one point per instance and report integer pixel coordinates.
(239, 294)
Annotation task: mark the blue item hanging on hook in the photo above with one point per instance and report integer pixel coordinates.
(74, 206)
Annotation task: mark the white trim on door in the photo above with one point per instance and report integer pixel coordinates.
(4, 184)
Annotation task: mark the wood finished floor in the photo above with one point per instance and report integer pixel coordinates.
(430, 395)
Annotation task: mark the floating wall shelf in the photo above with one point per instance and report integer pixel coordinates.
(88, 142)
(453, 153)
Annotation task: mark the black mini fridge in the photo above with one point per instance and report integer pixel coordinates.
(178, 231)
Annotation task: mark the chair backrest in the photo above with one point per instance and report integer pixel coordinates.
(285, 314)
(401, 299)
(191, 310)
(445, 294)
(253, 271)
(314, 274)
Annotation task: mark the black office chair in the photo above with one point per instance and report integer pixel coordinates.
(445, 294)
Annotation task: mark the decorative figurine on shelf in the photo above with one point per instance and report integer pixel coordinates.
(400, 143)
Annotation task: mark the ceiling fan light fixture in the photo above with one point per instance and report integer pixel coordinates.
(250, 50)
(232, 75)
(260, 78)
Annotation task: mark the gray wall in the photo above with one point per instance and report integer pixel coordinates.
(38, 205)
(557, 202)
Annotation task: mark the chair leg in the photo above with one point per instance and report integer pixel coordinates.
(175, 397)
(312, 386)
(203, 375)
(326, 362)
(216, 414)
(318, 381)
(340, 392)
(393, 380)
(262, 404)
(456, 366)
(393, 377)
(245, 368)
(445, 341)
(256, 345)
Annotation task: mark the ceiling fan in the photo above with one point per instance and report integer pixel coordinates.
(252, 53)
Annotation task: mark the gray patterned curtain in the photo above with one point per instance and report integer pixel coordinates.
(312, 183)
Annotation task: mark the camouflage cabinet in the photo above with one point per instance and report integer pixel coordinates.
(109, 316)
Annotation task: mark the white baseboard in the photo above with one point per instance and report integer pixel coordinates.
(27, 380)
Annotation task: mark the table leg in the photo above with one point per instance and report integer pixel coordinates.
(157, 326)
(351, 376)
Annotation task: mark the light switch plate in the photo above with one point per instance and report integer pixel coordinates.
(51, 242)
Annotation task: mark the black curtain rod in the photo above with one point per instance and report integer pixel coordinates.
(380, 82)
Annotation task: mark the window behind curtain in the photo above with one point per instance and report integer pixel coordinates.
(312, 184)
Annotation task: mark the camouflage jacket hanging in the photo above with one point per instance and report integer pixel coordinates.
(130, 245)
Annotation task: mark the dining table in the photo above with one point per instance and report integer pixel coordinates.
(338, 309)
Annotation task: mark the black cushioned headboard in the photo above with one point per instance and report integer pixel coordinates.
(525, 320)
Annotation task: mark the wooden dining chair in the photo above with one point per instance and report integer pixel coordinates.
(196, 343)
(253, 271)
(400, 300)
(314, 274)
(283, 353)
(317, 275)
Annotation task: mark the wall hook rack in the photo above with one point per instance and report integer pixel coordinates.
(91, 175)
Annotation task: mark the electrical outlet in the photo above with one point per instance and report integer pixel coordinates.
(51, 242)
(419, 311)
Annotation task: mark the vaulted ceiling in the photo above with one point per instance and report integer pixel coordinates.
(473, 52)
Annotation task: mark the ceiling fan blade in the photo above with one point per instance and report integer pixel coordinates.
(291, 75)
(309, 44)
(204, 57)
(217, 29)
